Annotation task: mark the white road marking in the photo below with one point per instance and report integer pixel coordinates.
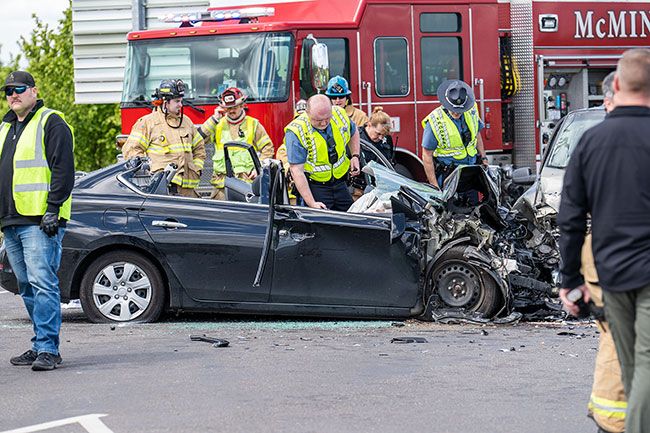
(91, 423)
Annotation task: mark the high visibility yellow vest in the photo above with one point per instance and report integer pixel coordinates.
(318, 166)
(32, 174)
(450, 143)
(239, 158)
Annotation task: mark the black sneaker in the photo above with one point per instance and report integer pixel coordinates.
(46, 361)
(26, 358)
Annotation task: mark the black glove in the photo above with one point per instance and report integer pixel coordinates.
(50, 223)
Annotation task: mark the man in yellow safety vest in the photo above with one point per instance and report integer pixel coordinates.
(36, 181)
(452, 132)
(316, 149)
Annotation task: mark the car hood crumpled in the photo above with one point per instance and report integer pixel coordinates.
(519, 256)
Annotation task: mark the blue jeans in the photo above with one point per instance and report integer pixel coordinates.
(35, 258)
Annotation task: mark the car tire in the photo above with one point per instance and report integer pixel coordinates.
(460, 284)
(122, 286)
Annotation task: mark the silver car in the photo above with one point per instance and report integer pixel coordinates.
(542, 199)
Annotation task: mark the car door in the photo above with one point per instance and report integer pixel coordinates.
(212, 247)
(336, 258)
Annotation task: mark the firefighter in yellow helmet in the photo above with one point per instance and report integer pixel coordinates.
(235, 125)
(167, 136)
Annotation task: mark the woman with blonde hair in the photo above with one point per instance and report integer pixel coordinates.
(377, 132)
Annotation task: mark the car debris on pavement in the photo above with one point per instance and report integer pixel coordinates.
(216, 342)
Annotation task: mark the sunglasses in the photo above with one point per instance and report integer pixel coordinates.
(19, 90)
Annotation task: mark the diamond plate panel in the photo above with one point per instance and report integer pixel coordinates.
(521, 18)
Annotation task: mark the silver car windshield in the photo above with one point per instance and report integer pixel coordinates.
(569, 135)
(257, 63)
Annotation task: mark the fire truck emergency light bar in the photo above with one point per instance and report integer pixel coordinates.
(232, 14)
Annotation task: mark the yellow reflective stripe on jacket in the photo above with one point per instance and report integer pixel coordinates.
(199, 163)
(208, 129)
(170, 148)
(450, 142)
(263, 142)
(185, 183)
(144, 141)
(607, 408)
(218, 180)
(32, 174)
(197, 141)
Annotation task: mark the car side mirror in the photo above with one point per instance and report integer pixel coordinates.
(320, 67)
(523, 176)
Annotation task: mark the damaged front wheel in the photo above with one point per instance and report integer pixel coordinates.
(455, 284)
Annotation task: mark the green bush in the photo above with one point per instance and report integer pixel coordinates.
(48, 55)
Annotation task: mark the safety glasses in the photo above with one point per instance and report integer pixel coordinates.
(19, 90)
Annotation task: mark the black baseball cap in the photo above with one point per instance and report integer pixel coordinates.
(19, 78)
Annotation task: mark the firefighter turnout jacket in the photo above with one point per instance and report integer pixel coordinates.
(357, 116)
(152, 136)
(450, 141)
(318, 166)
(31, 177)
(607, 403)
(249, 131)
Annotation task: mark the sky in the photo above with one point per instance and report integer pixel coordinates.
(17, 21)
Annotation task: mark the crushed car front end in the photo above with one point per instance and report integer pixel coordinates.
(480, 261)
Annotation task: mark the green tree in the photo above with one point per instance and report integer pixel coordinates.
(48, 54)
(4, 71)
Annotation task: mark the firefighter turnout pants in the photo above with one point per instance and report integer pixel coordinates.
(607, 404)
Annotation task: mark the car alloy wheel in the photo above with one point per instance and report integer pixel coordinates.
(122, 291)
(122, 286)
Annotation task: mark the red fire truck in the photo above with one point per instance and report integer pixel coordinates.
(529, 62)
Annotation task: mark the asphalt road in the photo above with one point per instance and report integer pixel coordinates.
(298, 376)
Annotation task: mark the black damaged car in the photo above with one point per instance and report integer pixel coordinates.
(131, 251)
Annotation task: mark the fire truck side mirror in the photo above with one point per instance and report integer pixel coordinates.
(320, 67)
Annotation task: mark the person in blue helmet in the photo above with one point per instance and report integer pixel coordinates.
(339, 93)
